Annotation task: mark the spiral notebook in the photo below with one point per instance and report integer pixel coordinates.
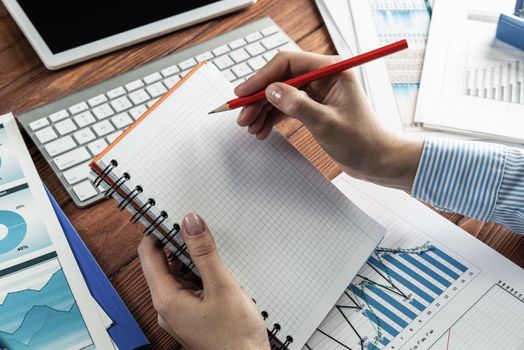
(288, 235)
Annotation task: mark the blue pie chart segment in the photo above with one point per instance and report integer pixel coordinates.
(16, 230)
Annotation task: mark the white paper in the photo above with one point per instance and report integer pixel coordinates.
(477, 306)
(44, 301)
(288, 235)
(472, 82)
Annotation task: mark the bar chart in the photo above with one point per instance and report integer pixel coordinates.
(396, 287)
(501, 82)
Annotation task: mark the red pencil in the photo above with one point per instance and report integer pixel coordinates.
(318, 74)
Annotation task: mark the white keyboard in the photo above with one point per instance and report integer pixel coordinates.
(73, 130)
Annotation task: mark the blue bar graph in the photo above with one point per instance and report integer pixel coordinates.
(426, 269)
(378, 306)
(417, 304)
(449, 259)
(402, 280)
(408, 271)
(439, 265)
(392, 301)
(380, 323)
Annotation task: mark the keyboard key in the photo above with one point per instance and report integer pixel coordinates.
(171, 81)
(256, 63)
(71, 158)
(239, 55)
(288, 47)
(274, 41)
(77, 174)
(242, 69)
(206, 56)
(255, 49)
(119, 91)
(121, 120)
(229, 75)
(268, 56)
(84, 119)
(187, 64)
(65, 127)
(121, 104)
(223, 62)
(56, 147)
(79, 107)
(157, 89)
(46, 135)
(151, 78)
(137, 111)
(112, 137)
(84, 190)
(221, 50)
(95, 101)
(152, 102)
(269, 30)
(84, 136)
(139, 96)
(235, 44)
(253, 37)
(39, 124)
(97, 146)
(58, 116)
(170, 70)
(137, 84)
(103, 111)
(103, 128)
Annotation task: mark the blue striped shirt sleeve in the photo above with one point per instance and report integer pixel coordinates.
(477, 179)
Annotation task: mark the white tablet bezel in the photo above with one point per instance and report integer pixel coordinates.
(117, 41)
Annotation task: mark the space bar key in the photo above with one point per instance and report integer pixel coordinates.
(71, 158)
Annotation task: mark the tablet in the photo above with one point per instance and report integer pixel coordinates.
(64, 32)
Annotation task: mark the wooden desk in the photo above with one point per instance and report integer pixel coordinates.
(25, 83)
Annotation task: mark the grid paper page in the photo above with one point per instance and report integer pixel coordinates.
(288, 235)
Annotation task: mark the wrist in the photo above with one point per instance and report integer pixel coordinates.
(398, 163)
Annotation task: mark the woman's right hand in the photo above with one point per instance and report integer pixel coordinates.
(338, 114)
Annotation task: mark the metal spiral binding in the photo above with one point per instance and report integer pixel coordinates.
(117, 184)
(157, 222)
(129, 198)
(273, 335)
(101, 177)
(143, 210)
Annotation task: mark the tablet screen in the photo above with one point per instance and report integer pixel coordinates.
(66, 24)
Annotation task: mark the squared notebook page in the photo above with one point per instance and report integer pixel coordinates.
(291, 239)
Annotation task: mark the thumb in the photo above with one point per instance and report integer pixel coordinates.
(295, 103)
(203, 251)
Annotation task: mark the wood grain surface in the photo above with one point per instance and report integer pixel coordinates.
(25, 83)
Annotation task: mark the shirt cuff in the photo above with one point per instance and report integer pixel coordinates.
(510, 202)
(460, 176)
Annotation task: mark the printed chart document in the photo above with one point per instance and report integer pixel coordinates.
(472, 82)
(44, 301)
(429, 285)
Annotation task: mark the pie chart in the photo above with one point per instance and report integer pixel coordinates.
(12, 230)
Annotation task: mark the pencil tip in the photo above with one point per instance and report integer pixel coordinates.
(212, 112)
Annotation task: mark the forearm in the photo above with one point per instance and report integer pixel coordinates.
(481, 180)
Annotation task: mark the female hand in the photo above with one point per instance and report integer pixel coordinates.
(221, 315)
(337, 113)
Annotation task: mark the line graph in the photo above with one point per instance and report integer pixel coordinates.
(493, 322)
(38, 311)
(395, 288)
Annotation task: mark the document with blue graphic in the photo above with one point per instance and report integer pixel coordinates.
(44, 301)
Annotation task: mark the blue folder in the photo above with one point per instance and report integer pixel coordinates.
(510, 28)
(125, 331)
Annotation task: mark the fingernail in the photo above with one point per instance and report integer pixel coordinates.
(274, 94)
(193, 224)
